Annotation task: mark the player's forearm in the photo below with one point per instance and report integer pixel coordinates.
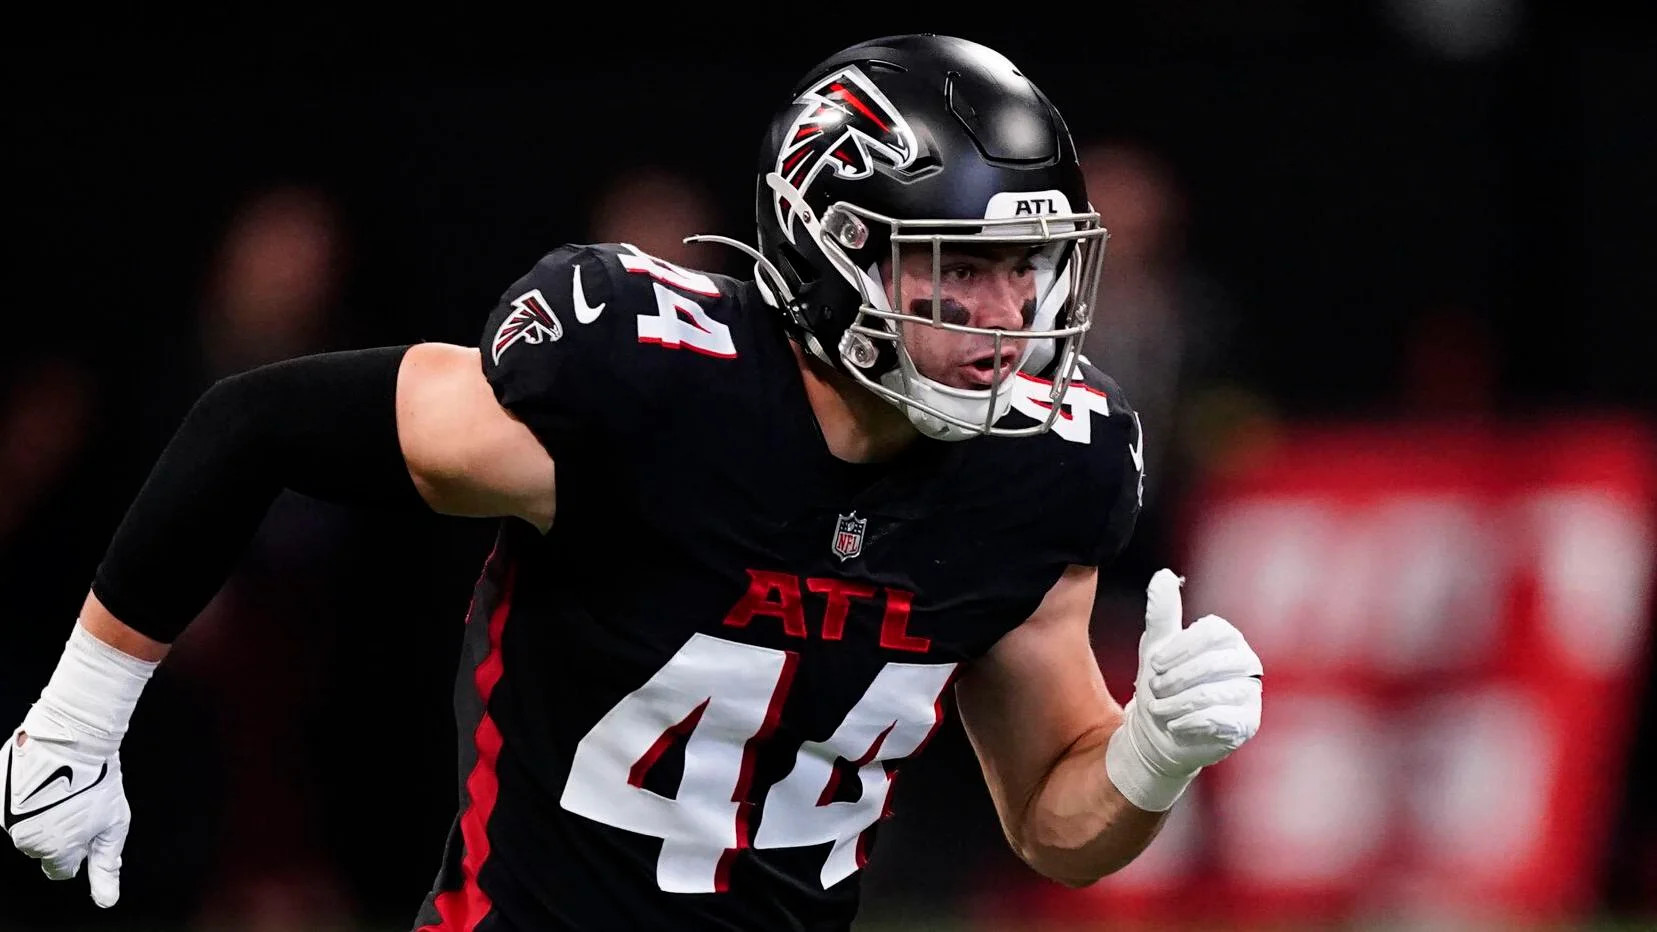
(1078, 827)
(322, 425)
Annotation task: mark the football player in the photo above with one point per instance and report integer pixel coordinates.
(756, 535)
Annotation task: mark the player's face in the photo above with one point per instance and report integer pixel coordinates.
(991, 287)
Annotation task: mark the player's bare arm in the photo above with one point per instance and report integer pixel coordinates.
(1081, 785)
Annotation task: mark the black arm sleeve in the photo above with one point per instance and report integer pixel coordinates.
(322, 425)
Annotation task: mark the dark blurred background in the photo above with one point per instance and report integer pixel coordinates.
(1324, 215)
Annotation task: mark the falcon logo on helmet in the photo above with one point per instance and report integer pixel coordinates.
(845, 125)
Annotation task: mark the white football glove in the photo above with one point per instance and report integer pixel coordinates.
(62, 801)
(1196, 699)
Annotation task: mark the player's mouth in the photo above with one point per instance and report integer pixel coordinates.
(984, 371)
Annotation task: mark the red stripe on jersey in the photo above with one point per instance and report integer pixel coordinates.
(745, 777)
(461, 910)
(1074, 383)
(892, 777)
(641, 767)
(827, 796)
(1048, 405)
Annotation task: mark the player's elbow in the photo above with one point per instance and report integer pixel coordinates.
(1073, 867)
(1076, 849)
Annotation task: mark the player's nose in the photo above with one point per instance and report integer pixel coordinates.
(1001, 304)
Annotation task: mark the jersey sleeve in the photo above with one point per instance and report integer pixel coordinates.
(561, 349)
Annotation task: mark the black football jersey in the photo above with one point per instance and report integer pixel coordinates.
(684, 707)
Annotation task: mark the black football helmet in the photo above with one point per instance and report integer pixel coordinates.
(929, 140)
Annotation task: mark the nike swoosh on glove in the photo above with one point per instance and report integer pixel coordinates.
(1196, 700)
(63, 802)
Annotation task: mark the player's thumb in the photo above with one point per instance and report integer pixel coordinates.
(1164, 609)
(103, 864)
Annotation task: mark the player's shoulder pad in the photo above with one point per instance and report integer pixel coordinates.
(608, 299)
(593, 329)
(580, 291)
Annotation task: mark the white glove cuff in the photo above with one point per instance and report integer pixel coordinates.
(94, 690)
(1140, 781)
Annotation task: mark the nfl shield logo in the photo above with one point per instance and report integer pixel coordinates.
(848, 536)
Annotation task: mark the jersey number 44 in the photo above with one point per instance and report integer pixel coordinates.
(723, 699)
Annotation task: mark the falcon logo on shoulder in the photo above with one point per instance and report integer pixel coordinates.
(530, 322)
(845, 125)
